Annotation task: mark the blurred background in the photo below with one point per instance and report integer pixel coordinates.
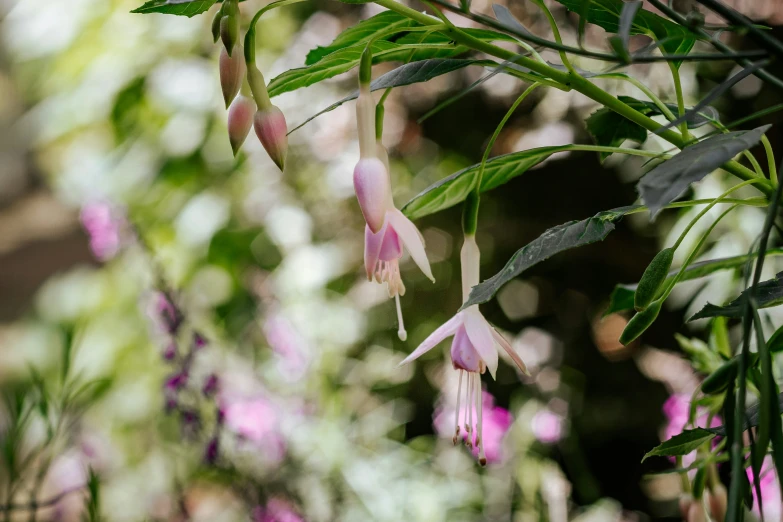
(186, 336)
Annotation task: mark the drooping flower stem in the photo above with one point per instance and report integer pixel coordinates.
(470, 212)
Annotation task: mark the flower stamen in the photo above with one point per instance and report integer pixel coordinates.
(469, 406)
(401, 333)
(479, 424)
(456, 412)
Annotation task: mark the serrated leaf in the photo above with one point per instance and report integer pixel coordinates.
(187, 8)
(611, 129)
(670, 179)
(606, 14)
(768, 294)
(621, 298)
(681, 444)
(553, 241)
(362, 32)
(453, 189)
(407, 74)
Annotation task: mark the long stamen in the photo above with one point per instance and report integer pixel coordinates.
(401, 333)
(456, 412)
(469, 405)
(480, 424)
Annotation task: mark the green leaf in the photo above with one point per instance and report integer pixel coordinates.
(407, 74)
(670, 179)
(611, 129)
(176, 7)
(622, 297)
(768, 294)
(453, 189)
(555, 240)
(620, 43)
(752, 418)
(681, 444)
(775, 343)
(694, 120)
(606, 14)
(346, 59)
(362, 32)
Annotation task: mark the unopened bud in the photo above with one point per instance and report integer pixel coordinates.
(232, 71)
(373, 190)
(229, 32)
(696, 512)
(272, 131)
(240, 119)
(718, 501)
(685, 505)
(216, 25)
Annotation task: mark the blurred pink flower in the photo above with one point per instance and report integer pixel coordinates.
(257, 420)
(286, 342)
(276, 510)
(770, 492)
(496, 423)
(104, 226)
(547, 426)
(677, 411)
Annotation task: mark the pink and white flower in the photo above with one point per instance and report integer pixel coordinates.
(387, 229)
(473, 350)
(104, 225)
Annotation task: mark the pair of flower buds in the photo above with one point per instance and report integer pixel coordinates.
(693, 510)
(243, 111)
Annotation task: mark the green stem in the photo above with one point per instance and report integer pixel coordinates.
(642, 87)
(470, 216)
(771, 165)
(556, 34)
(680, 100)
(719, 199)
(694, 253)
(574, 81)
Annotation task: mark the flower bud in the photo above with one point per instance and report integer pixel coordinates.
(373, 190)
(232, 71)
(216, 25)
(653, 278)
(685, 504)
(718, 501)
(696, 512)
(240, 119)
(272, 131)
(229, 32)
(640, 322)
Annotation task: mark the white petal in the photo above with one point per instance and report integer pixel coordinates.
(412, 239)
(510, 351)
(445, 330)
(480, 335)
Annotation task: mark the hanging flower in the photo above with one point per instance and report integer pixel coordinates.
(473, 350)
(387, 229)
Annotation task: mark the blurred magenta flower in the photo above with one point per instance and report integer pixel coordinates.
(276, 510)
(677, 410)
(770, 492)
(104, 224)
(547, 426)
(473, 350)
(497, 422)
(165, 316)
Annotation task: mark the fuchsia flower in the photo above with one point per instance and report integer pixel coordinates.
(473, 350)
(257, 420)
(547, 426)
(104, 227)
(387, 229)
